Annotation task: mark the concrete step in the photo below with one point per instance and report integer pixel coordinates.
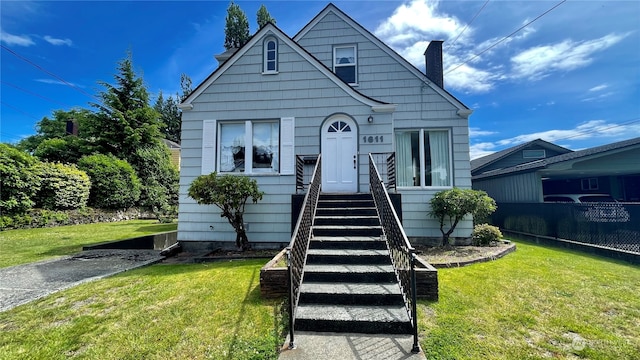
(346, 211)
(348, 256)
(321, 220)
(346, 273)
(345, 203)
(347, 242)
(350, 294)
(354, 319)
(345, 196)
(346, 230)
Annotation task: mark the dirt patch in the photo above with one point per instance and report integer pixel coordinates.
(454, 256)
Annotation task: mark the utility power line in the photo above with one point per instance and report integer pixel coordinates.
(508, 36)
(466, 26)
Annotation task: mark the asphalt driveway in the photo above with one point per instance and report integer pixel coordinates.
(28, 282)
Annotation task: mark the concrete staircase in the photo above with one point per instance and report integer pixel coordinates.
(349, 284)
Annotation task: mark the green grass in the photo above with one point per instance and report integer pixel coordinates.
(535, 303)
(203, 311)
(29, 245)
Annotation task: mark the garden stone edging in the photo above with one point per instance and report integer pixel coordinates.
(509, 249)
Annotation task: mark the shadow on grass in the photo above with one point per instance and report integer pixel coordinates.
(158, 228)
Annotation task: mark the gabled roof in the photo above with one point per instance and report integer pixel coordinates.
(376, 105)
(492, 158)
(568, 157)
(463, 110)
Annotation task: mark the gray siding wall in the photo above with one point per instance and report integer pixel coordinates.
(418, 106)
(525, 187)
(243, 93)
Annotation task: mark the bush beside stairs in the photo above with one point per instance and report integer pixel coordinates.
(349, 284)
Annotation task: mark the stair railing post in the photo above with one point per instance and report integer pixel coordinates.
(291, 300)
(416, 348)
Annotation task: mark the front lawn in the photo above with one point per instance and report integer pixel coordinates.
(535, 303)
(29, 245)
(196, 311)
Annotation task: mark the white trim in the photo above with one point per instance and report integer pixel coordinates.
(209, 142)
(388, 108)
(337, 64)
(272, 30)
(287, 146)
(265, 55)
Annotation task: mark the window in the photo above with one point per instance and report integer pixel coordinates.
(262, 137)
(589, 184)
(533, 154)
(345, 63)
(270, 61)
(423, 158)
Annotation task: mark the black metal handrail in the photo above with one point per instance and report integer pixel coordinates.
(304, 162)
(402, 253)
(297, 249)
(387, 163)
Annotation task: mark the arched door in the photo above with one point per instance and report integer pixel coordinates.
(339, 155)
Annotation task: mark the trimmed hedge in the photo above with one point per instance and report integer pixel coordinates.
(39, 218)
(19, 181)
(63, 187)
(114, 183)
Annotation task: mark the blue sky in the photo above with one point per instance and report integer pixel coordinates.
(571, 76)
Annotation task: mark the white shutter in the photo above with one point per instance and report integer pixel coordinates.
(208, 146)
(287, 148)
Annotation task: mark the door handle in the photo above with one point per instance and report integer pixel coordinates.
(354, 161)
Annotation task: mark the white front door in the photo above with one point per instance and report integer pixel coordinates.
(339, 155)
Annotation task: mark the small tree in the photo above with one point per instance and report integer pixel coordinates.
(454, 204)
(263, 17)
(236, 29)
(230, 193)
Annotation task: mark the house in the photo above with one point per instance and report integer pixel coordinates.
(333, 89)
(528, 172)
(174, 149)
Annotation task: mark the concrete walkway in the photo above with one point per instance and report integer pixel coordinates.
(330, 346)
(28, 282)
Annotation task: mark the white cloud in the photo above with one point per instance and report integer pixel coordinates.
(20, 40)
(470, 79)
(540, 61)
(57, 82)
(57, 42)
(599, 87)
(473, 132)
(481, 149)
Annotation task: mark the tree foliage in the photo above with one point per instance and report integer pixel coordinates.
(185, 86)
(62, 187)
(451, 206)
(56, 127)
(263, 17)
(230, 193)
(66, 150)
(125, 121)
(114, 183)
(19, 181)
(159, 179)
(236, 30)
(169, 117)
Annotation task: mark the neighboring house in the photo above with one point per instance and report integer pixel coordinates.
(336, 90)
(514, 175)
(174, 148)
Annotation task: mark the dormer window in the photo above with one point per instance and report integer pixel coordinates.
(345, 63)
(270, 61)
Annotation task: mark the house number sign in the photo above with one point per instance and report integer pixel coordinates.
(372, 139)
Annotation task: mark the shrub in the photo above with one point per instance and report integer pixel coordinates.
(453, 205)
(159, 179)
(63, 187)
(19, 182)
(67, 150)
(114, 183)
(230, 193)
(485, 234)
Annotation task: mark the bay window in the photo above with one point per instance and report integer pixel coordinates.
(423, 158)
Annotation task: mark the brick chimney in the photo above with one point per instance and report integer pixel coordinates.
(433, 58)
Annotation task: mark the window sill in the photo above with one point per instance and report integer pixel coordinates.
(249, 174)
(421, 188)
(270, 73)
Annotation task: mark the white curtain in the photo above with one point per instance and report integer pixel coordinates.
(439, 149)
(404, 163)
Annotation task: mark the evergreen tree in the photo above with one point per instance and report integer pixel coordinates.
(236, 30)
(185, 86)
(263, 17)
(125, 121)
(169, 116)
